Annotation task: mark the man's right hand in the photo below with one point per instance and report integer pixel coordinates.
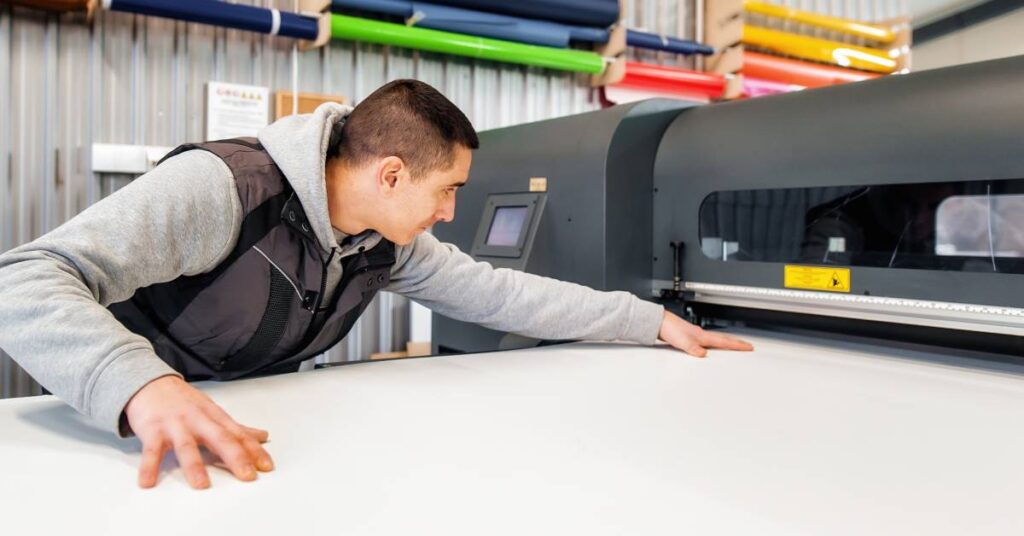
(169, 413)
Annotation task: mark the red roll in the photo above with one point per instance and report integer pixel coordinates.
(798, 72)
(672, 80)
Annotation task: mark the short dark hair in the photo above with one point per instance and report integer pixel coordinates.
(408, 119)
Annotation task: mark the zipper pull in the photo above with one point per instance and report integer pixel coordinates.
(309, 300)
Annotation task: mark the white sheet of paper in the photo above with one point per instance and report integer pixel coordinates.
(801, 436)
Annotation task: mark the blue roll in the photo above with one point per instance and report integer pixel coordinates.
(651, 41)
(216, 13)
(395, 8)
(453, 19)
(464, 21)
(589, 35)
(599, 13)
(299, 27)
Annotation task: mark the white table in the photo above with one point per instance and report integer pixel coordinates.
(796, 438)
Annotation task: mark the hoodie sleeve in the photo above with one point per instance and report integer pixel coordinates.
(180, 218)
(451, 283)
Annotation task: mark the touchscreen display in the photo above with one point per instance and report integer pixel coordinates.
(506, 226)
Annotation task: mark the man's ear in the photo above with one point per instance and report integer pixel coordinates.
(391, 171)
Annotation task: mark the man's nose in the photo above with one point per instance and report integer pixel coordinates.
(447, 212)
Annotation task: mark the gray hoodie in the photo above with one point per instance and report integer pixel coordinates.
(183, 218)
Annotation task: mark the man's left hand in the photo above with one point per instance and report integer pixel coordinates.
(694, 340)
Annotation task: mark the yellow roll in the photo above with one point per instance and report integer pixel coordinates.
(873, 32)
(823, 50)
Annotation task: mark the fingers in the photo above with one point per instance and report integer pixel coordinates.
(218, 414)
(186, 449)
(167, 413)
(724, 342)
(227, 446)
(694, 349)
(250, 438)
(696, 341)
(251, 444)
(687, 342)
(263, 461)
(153, 450)
(259, 435)
(236, 445)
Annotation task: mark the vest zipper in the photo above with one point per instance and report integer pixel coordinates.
(345, 280)
(320, 297)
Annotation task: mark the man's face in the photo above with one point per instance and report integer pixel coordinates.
(417, 203)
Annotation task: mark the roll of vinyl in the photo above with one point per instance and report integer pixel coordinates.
(457, 20)
(798, 72)
(873, 32)
(386, 33)
(759, 87)
(619, 94)
(672, 80)
(293, 25)
(57, 6)
(651, 41)
(599, 13)
(823, 50)
(397, 8)
(224, 14)
(588, 34)
(453, 19)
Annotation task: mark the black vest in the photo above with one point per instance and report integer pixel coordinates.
(261, 311)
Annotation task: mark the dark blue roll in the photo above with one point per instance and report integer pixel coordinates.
(588, 35)
(453, 19)
(464, 21)
(396, 8)
(299, 27)
(216, 13)
(667, 44)
(600, 13)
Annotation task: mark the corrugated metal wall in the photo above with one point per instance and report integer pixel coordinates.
(65, 85)
(863, 10)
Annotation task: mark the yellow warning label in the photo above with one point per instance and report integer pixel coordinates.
(817, 278)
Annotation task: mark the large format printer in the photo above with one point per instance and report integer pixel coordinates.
(891, 209)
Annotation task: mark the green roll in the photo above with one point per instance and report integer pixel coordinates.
(386, 33)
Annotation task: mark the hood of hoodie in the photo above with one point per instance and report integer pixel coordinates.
(298, 144)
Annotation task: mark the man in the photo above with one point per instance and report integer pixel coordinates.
(246, 257)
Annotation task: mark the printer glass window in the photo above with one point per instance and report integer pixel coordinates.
(967, 226)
